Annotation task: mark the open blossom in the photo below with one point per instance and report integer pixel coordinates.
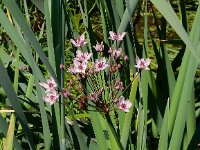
(80, 41)
(82, 57)
(99, 47)
(116, 53)
(142, 64)
(123, 104)
(78, 67)
(50, 85)
(100, 64)
(117, 36)
(51, 97)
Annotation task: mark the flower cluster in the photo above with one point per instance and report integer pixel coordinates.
(94, 71)
(102, 76)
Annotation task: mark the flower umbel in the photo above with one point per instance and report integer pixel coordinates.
(142, 64)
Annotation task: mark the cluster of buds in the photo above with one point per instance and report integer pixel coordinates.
(101, 75)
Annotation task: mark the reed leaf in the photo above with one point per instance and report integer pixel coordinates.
(187, 71)
(8, 145)
(8, 88)
(17, 14)
(4, 130)
(167, 11)
(98, 130)
(128, 117)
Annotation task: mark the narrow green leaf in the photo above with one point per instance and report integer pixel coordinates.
(4, 129)
(191, 119)
(51, 55)
(185, 98)
(140, 127)
(57, 16)
(167, 11)
(163, 141)
(16, 78)
(82, 142)
(98, 131)
(25, 49)
(39, 4)
(8, 145)
(8, 88)
(128, 116)
(185, 71)
(120, 7)
(127, 15)
(17, 14)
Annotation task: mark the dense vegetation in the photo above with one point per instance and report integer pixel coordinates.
(99, 74)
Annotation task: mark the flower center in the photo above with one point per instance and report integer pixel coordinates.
(123, 106)
(100, 65)
(51, 85)
(80, 67)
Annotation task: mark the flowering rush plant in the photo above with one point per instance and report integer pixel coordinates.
(99, 79)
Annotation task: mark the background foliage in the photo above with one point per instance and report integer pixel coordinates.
(166, 100)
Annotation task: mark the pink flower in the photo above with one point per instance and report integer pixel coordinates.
(62, 66)
(80, 41)
(110, 50)
(118, 85)
(123, 104)
(117, 36)
(99, 47)
(51, 97)
(126, 58)
(78, 67)
(100, 64)
(50, 85)
(142, 64)
(66, 93)
(116, 53)
(82, 57)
